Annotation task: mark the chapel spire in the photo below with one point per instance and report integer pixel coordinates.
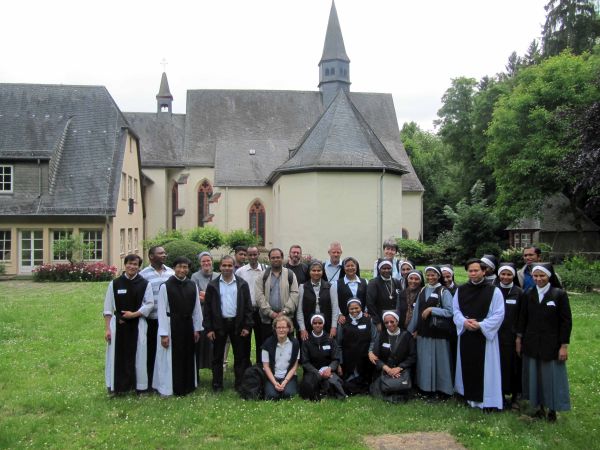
(334, 67)
(164, 99)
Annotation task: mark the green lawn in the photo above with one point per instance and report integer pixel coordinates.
(52, 393)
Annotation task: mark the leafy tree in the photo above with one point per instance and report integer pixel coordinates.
(241, 237)
(475, 226)
(529, 136)
(437, 171)
(73, 247)
(570, 24)
(209, 237)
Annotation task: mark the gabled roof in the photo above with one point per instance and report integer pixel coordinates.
(341, 139)
(556, 216)
(222, 127)
(80, 130)
(334, 42)
(161, 138)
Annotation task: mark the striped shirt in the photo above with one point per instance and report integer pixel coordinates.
(155, 279)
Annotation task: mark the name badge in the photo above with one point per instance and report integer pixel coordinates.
(434, 295)
(362, 327)
(386, 345)
(121, 291)
(327, 347)
(551, 303)
(511, 301)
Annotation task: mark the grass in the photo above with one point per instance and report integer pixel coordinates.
(52, 393)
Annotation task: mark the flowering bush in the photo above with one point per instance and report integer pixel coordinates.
(96, 271)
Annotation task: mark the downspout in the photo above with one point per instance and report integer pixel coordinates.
(108, 240)
(227, 208)
(380, 218)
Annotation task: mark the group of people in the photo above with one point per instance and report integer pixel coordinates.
(501, 336)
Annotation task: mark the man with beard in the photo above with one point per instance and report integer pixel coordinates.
(478, 314)
(296, 265)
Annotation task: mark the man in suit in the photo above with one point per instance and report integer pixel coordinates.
(228, 311)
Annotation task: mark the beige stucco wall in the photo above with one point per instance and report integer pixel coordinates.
(314, 209)
(412, 205)
(156, 201)
(132, 224)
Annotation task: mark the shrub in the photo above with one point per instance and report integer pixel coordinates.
(513, 255)
(578, 274)
(183, 247)
(418, 252)
(241, 237)
(82, 271)
(209, 237)
(488, 248)
(163, 237)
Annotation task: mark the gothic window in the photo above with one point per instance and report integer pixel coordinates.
(174, 206)
(204, 193)
(257, 220)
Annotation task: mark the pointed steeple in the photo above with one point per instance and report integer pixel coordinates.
(334, 67)
(164, 99)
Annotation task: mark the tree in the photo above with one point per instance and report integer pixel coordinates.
(437, 171)
(570, 24)
(475, 227)
(73, 248)
(533, 55)
(529, 136)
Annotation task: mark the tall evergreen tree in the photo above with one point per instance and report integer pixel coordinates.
(570, 24)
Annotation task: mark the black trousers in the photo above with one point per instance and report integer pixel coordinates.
(258, 339)
(241, 353)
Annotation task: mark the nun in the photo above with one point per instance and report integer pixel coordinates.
(348, 286)
(315, 298)
(432, 326)
(543, 334)
(354, 338)
(319, 358)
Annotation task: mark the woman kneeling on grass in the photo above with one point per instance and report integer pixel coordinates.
(543, 336)
(280, 355)
(394, 354)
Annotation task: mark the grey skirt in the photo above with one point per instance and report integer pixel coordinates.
(545, 383)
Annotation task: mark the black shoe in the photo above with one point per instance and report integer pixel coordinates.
(551, 416)
(540, 414)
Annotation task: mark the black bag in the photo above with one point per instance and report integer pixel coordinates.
(252, 386)
(390, 385)
(442, 323)
(309, 388)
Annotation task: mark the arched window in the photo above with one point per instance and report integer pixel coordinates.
(204, 193)
(257, 220)
(174, 205)
(404, 233)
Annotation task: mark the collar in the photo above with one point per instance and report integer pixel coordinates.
(281, 344)
(395, 333)
(222, 280)
(478, 282)
(506, 286)
(348, 280)
(433, 286)
(318, 336)
(357, 318)
(132, 278)
(542, 291)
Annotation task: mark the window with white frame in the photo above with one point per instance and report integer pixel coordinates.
(136, 237)
(59, 250)
(92, 240)
(130, 187)
(6, 179)
(5, 245)
(135, 189)
(129, 240)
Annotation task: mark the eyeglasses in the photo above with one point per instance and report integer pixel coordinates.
(282, 328)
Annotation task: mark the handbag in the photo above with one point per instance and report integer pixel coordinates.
(390, 385)
(442, 323)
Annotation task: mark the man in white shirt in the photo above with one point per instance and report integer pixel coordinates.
(333, 267)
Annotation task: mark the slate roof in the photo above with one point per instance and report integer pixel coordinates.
(223, 126)
(556, 216)
(161, 137)
(340, 140)
(79, 130)
(334, 42)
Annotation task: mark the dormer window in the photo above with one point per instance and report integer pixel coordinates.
(6, 179)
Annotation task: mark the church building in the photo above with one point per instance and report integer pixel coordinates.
(306, 167)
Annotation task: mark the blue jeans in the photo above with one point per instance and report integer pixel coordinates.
(291, 389)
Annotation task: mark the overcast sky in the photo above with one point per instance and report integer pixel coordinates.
(409, 48)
